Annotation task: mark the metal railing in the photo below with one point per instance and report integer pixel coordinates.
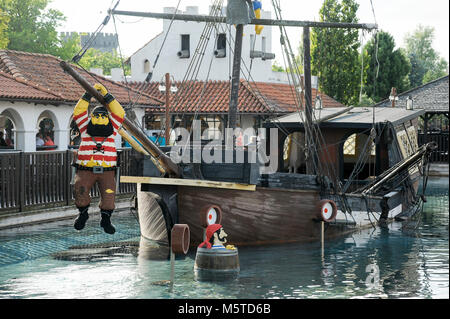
(440, 155)
(31, 180)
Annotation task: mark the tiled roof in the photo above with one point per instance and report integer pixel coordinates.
(43, 73)
(282, 96)
(17, 89)
(431, 96)
(213, 97)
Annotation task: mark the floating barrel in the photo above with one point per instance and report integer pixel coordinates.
(216, 264)
(326, 210)
(180, 238)
(211, 214)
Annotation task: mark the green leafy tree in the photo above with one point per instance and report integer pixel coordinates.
(438, 71)
(4, 20)
(277, 68)
(32, 28)
(92, 58)
(387, 67)
(103, 60)
(424, 59)
(334, 52)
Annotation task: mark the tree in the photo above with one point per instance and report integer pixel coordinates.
(103, 60)
(32, 28)
(4, 20)
(424, 59)
(277, 68)
(440, 70)
(334, 52)
(92, 58)
(387, 67)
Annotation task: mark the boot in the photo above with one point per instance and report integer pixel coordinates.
(105, 223)
(80, 221)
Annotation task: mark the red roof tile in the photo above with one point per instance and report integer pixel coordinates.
(283, 96)
(17, 89)
(213, 97)
(44, 74)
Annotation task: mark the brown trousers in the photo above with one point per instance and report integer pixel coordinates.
(85, 180)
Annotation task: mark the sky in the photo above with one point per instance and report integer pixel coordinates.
(398, 17)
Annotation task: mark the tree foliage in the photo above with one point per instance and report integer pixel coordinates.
(387, 67)
(4, 20)
(424, 59)
(94, 58)
(32, 27)
(334, 52)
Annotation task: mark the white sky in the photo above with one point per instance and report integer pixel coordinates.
(398, 17)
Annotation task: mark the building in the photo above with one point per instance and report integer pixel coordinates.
(37, 96)
(105, 42)
(434, 125)
(177, 50)
(209, 102)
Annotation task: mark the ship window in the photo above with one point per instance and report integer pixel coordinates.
(212, 128)
(350, 145)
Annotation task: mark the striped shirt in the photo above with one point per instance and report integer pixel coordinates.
(88, 155)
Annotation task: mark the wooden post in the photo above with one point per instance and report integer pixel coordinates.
(167, 108)
(235, 80)
(308, 98)
(172, 268)
(21, 168)
(322, 237)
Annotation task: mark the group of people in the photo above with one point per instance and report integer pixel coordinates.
(44, 140)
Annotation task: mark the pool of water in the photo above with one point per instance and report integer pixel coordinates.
(403, 260)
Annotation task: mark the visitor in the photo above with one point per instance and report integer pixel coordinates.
(39, 140)
(49, 142)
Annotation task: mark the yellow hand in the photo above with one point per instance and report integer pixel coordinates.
(103, 91)
(81, 107)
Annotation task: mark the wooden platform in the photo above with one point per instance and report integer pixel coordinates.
(185, 182)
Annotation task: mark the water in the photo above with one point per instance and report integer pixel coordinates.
(408, 260)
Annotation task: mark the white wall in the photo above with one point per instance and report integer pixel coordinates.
(220, 67)
(26, 116)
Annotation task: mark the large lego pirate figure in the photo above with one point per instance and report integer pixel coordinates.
(97, 156)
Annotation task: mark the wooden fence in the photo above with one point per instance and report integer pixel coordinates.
(42, 179)
(440, 155)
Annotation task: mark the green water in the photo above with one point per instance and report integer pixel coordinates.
(404, 260)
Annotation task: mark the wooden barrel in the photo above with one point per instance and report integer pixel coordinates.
(216, 264)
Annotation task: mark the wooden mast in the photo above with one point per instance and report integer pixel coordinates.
(235, 79)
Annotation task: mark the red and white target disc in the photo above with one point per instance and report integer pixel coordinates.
(327, 210)
(209, 215)
(212, 216)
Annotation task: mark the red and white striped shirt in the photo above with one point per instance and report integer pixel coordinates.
(88, 155)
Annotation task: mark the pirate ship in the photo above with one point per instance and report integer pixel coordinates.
(329, 193)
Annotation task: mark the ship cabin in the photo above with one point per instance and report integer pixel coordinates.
(352, 145)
